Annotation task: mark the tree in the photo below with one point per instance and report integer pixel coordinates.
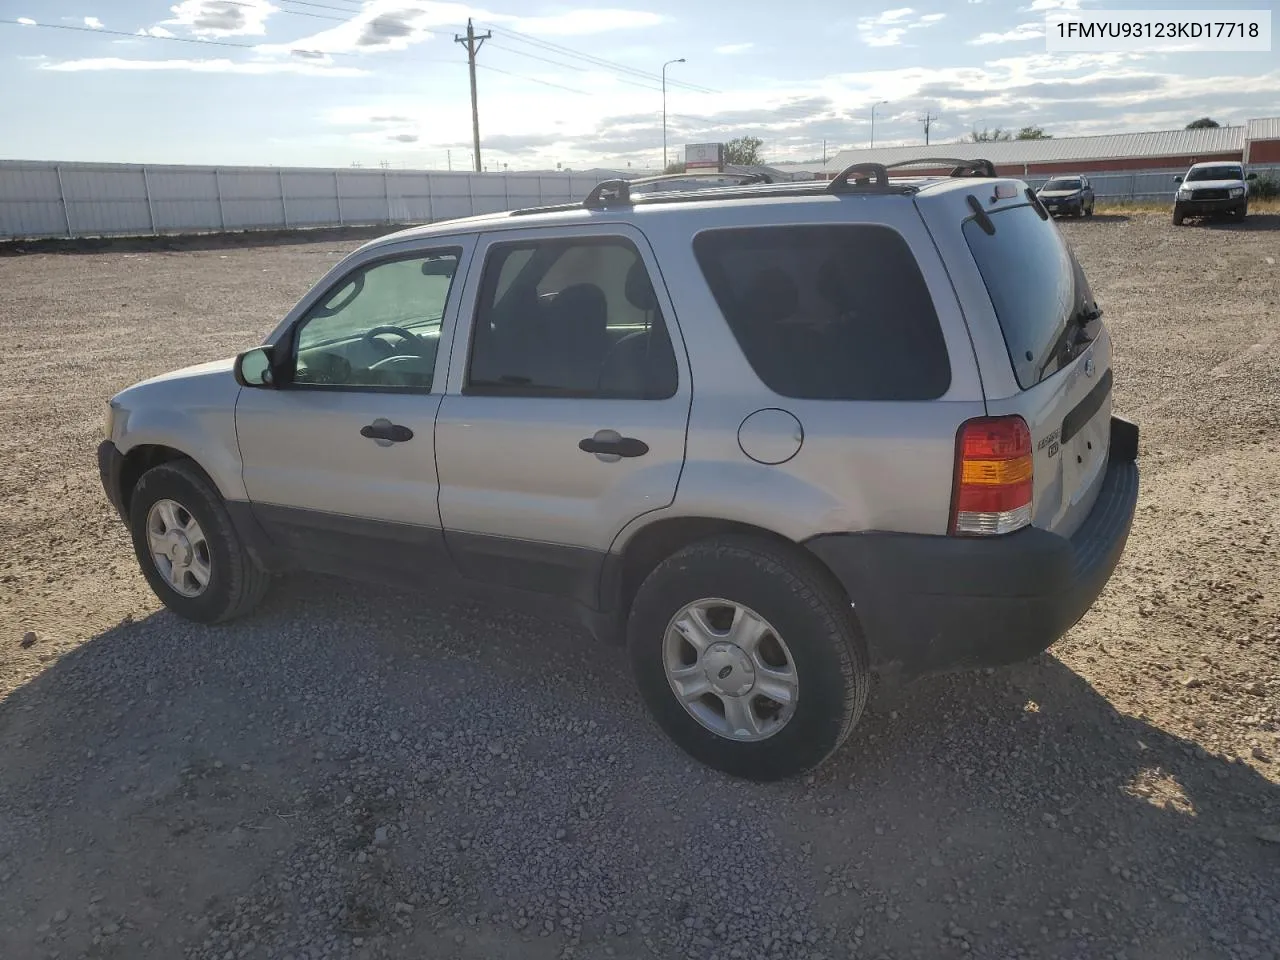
(743, 151)
(1203, 123)
(987, 136)
(676, 167)
(1033, 133)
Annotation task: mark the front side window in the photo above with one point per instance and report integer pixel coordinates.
(828, 312)
(570, 318)
(379, 327)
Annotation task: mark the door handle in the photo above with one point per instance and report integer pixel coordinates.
(386, 431)
(610, 444)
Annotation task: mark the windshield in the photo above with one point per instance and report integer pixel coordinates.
(1035, 284)
(1062, 185)
(1216, 173)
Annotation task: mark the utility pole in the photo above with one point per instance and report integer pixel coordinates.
(473, 44)
(927, 121)
(664, 110)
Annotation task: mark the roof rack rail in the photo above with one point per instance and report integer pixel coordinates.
(858, 173)
(977, 167)
(617, 192)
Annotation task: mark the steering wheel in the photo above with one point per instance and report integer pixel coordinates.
(401, 332)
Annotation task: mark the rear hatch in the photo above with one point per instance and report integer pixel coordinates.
(1060, 354)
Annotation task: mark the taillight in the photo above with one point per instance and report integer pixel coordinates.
(993, 476)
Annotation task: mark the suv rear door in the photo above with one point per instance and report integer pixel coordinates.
(1043, 353)
(566, 409)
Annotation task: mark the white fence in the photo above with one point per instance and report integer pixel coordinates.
(107, 199)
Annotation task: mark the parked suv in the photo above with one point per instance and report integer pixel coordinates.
(770, 437)
(1070, 195)
(1212, 187)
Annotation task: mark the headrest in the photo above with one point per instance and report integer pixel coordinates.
(639, 289)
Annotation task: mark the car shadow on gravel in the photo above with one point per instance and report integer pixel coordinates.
(1254, 222)
(452, 779)
(1096, 218)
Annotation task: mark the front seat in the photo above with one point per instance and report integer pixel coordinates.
(577, 339)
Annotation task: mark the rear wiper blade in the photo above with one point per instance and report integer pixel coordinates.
(1073, 334)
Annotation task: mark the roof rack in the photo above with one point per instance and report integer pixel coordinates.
(856, 178)
(617, 192)
(978, 167)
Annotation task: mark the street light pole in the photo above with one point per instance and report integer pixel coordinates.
(873, 121)
(664, 110)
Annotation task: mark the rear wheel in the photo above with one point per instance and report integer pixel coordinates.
(188, 549)
(748, 657)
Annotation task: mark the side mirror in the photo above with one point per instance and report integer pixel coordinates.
(253, 368)
(1252, 176)
(1178, 178)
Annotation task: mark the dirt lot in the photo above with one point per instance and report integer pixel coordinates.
(359, 774)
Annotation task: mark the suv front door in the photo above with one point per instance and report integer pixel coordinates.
(339, 459)
(566, 410)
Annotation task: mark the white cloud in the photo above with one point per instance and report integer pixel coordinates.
(203, 66)
(155, 32)
(582, 22)
(26, 21)
(222, 18)
(93, 23)
(729, 49)
(890, 27)
(1038, 5)
(385, 25)
(1022, 32)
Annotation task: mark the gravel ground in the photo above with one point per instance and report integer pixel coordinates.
(355, 773)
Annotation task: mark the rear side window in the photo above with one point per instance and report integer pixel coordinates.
(1035, 284)
(828, 312)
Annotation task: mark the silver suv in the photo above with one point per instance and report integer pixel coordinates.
(771, 437)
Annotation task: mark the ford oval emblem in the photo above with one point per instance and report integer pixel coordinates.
(1088, 367)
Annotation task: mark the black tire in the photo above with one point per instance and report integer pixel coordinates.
(1241, 212)
(1088, 211)
(798, 597)
(236, 583)
(1177, 215)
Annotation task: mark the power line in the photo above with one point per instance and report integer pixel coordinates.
(596, 61)
(521, 76)
(569, 66)
(131, 36)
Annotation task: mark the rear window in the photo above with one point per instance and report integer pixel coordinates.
(828, 312)
(1035, 284)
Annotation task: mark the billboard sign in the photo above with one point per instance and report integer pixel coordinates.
(704, 156)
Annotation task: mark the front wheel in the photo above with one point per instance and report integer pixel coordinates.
(748, 657)
(188, 549)
(1177, 215)
(1088, 211)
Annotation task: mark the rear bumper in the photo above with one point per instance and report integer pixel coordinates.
(110, 466)
(935, 603)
